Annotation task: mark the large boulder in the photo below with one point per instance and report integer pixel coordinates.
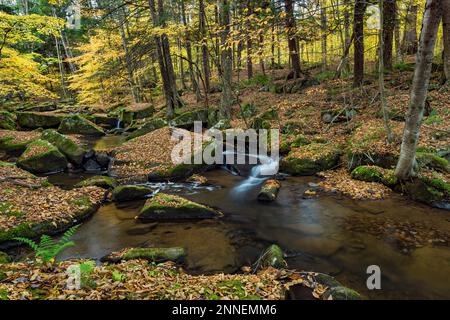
(34, 120)
(147, 127)
(70, 149)
(79, 125)
(16, 141)
(41, 156)
(130, 192)
(98, 181)
(138, 111)
(163, 207)
(310, 159)
(150, 254)
(7, 120)
(186, 120)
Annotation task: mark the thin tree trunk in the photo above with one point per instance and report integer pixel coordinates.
(128, 62)
(446, 37)
(324, 30)
(398, 46)
(424, 58)
(225, 57)
(205, 53)
(358, 30)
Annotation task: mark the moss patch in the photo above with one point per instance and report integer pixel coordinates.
(98, 181)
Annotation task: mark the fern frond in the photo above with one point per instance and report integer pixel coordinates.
(28, 242)
(68, 234)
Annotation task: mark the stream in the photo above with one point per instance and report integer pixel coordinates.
(327, 233)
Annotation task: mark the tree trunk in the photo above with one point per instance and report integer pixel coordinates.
(225, 60)
(292, 40)
(446, 37)
(388, 31)
(324, 30)
(358, 31)
(409, 44)
(205, 53)
(419, 90)
(398, 47)
(173, 99)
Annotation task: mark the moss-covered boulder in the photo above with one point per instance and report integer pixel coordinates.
(176, 254)
(186, 120)
(269, 190)
(41, 156)
(341, 293)
(70, 149)
(262, 121)
(130, 192)
(79, 125)
(34, 120)
(140, 111)
(175, 172)
(13, 142)
(310, 159)
(375, 174)
(147, 127)
(432, 161)
(98, 181)
(433, 190)
(7, 120)
(4, 258)
(163, 207)
(273, 257)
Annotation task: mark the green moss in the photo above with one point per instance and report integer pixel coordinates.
(155, 254)
(79, 125)
(42, 157)
(274, 257)
(7, 209)
(299, 141)
(147, 127)
(4, 258)
(7, 120)
(35, 120)
(70, 149)
(432, 161)
(130, 192)
(3, 292)
(375, 174)
(9, 144)
(98, 181)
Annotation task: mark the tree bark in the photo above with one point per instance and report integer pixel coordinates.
(446, 37)
(225, 60)
(358, 31)
(205, 53)
(424, 58)
(388, 31)
(409, 43)
(292, 39)
(324, 30)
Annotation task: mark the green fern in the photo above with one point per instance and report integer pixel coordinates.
(47, 249)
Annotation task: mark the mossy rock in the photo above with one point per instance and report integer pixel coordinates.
(104, 120)
(10, 145)
(98, 181)
(79, 125)
(269, 191)
(147, 127)
(433, 191)
(300, 141)
(163, 207)
(310, 159)
(70, 149)
(375, 174)
(41, 156)
(186, 120)
(341, 293)
(273, 257)
(4, 258)
(157, 255)
(7, 120)
(432, 161)
(127, 115)
(176, 172)
(34, 120)
(35, 230)
(130, 192)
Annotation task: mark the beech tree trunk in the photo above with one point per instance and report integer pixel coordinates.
(292, 40)
(446, 36)
(388, 32)
(409, 43)
(225, 60)
(205, 53)
(324, 27)
(424, 58)
(358, 31)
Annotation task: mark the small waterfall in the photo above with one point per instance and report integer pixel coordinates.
(259, 173)
(118, 124)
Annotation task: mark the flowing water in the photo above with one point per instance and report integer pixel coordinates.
(327, 233)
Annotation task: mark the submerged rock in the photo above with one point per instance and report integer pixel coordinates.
(151, 254)
(171, 207)
(7, 120)
(70, 149)
(310, 159)
(269, 190)
(34, 120)
(41, 156)
(98, 181)
(79, 125)
(273, 257)
(130, 192)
